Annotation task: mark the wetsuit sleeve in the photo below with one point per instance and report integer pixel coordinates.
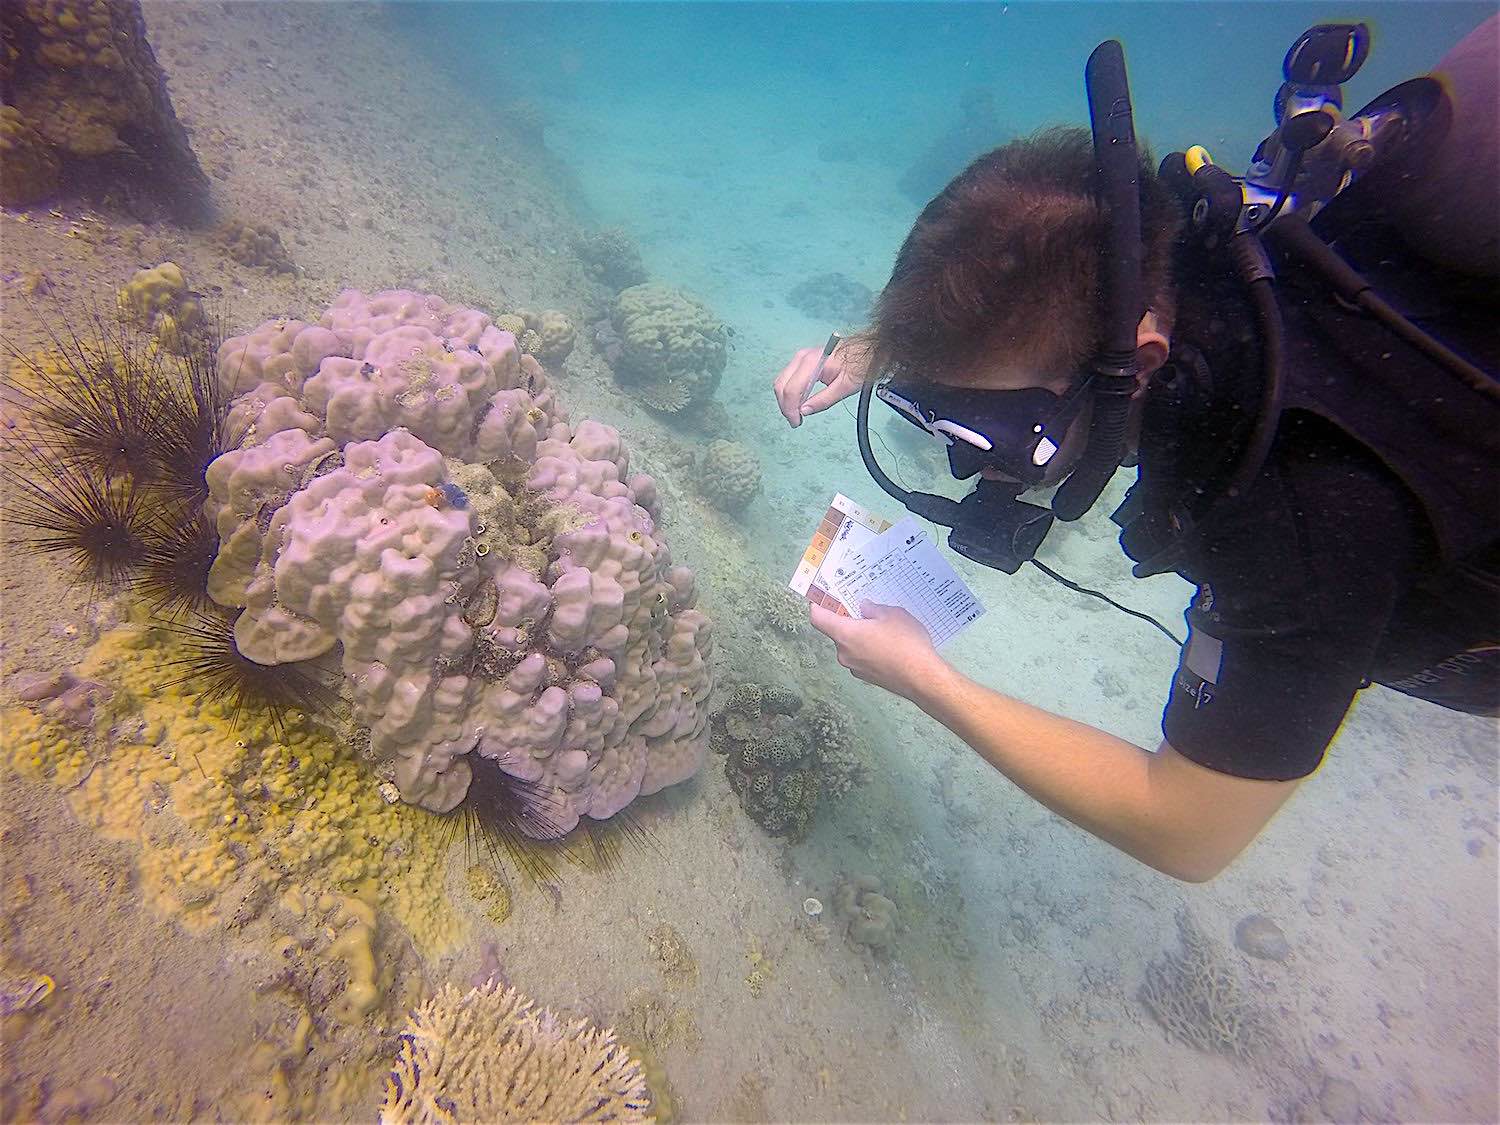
(1293, 598)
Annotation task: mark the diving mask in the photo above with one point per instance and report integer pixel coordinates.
(1016, 433)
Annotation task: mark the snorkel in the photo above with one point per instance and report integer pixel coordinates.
(992, 525)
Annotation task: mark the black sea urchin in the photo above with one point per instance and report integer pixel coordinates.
(521, 821)
(93, 402)
(110, 402)
(188, 433)
(97, 525)
(172, 578)
(504, 816)
(213, 668)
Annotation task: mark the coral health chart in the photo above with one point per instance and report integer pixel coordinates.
(902, 567)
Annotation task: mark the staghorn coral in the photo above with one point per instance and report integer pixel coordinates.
(407, 490)
(1197, 999)
(830, 729)
(784, 611)
(493, 1055)
(730, 475)
(612, 257)
(666, 336)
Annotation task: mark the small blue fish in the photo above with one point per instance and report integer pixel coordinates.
(454, 495)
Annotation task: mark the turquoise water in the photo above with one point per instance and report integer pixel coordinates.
(1345, 965)
(750, 147)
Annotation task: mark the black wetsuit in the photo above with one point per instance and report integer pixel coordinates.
(1367, 549)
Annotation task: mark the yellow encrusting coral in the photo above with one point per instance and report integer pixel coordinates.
(159, 299)
(226, 812)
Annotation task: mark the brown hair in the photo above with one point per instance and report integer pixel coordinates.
(1007, 259)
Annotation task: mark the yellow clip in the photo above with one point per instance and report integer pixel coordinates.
(1196, 158)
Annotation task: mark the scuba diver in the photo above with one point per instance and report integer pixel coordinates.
(1300, 361)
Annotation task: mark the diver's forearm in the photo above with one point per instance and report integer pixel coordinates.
(1099, 782)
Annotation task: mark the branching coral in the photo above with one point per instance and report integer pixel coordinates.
(492, 1055)
(784, 611)
(1197, 999)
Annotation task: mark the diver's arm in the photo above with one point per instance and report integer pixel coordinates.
(1181, 818)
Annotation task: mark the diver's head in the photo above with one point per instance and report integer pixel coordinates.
(993, 312)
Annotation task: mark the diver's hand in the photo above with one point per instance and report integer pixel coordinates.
(887, 647)
(842, 374)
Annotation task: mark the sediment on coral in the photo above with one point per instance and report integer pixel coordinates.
(729, 476)
(492, 1055)
(88, 113)
(1198, 999)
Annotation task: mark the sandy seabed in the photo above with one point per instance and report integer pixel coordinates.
(1011, 991)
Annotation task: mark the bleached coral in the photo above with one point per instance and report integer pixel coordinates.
(493, 1055)
(406, 487)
